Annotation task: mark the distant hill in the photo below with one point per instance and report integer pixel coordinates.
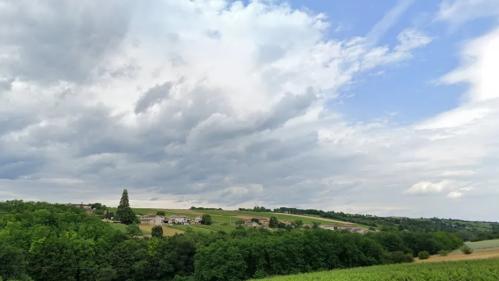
(468, 230)
(228, 220)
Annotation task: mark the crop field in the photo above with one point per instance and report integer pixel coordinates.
(483, 270)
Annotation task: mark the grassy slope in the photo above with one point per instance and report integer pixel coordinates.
(481, 250)
(484, 270)
(225, 220)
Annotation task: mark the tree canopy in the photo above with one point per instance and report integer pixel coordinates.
(124, 213)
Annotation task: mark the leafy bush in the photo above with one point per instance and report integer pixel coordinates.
(133, 230)
(399, 257)
(157, 231)
(423, 255)
(466, 250)
(206, 219)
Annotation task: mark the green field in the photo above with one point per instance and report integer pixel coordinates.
(483, 270)
(225, 220)
(484, 245)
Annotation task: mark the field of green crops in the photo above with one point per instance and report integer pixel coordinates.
(478, 270)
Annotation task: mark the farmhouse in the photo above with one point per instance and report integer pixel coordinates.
(178, 220)
(152, 220)
(353, 229)
(86, 207)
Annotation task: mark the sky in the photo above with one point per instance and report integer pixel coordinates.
(384, 107)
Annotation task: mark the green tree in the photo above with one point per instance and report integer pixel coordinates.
(12, 262)
(129, 259)
(160, 213)
(133, 230)
(157, 231)
(124, 213)
(206, 219)
(220, 261)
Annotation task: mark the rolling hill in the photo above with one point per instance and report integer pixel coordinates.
(225, 220)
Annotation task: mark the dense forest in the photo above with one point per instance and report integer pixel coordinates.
(467, 230)
(45, 242)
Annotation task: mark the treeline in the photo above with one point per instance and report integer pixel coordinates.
(255, 254)
(256, 209)
(205, 208)
(467, 230)
(46, 242)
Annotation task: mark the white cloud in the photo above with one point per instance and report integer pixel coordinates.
(452, 189)
(171, 97)
(426, 187)
(388, 20)
(223, 104)
(458, 12)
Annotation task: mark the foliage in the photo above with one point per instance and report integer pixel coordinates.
(206, 219)
(124, 213)
(133, 230)
(157, 231)
(423, 255)
(273, 222)
(48, 242)
(466, 230)
(256, 209)
(205, 208)
(467, 250)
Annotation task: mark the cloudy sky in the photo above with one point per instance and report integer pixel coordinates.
(380, 107)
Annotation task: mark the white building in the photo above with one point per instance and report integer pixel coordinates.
(152, 220)
(178, 220)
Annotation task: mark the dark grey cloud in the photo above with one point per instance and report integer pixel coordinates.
(153, 96)
(59, 40)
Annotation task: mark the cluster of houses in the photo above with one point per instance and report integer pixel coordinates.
(86, 207)
(353, 229)
(259, 222)
(160, 220)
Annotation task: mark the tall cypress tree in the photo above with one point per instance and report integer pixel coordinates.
(124, 213)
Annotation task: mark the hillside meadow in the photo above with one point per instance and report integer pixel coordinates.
(481, 250)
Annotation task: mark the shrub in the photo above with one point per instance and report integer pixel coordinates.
(423, 255)
(133, 230)
(157, 231)
(399, 257)
(466, 250)
(206, 219)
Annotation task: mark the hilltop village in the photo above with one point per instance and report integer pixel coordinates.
(216, 219)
